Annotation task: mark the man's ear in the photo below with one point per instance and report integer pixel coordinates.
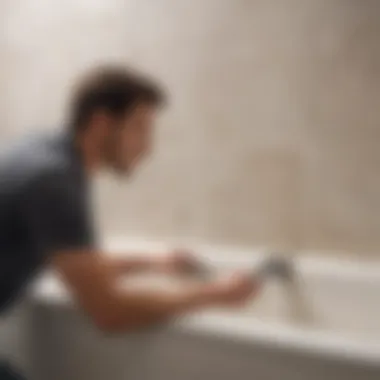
(99, 122)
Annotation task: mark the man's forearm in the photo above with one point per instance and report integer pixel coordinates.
(135, 308)
(91, 279)
(175, 262)
(134, 264)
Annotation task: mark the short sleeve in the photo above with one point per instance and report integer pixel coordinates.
(56, 214)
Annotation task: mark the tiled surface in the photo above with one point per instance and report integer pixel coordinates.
(272, 133)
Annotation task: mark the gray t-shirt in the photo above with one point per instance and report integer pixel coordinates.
(44, 208)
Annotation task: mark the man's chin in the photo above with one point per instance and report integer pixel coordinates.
(123, 171)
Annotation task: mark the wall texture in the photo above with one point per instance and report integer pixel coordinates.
(272, 135)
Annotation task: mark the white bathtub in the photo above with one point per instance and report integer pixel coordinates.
(335, 335)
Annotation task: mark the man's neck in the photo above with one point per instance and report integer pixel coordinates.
(88, 154)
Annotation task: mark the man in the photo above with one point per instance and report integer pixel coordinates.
(45, 215)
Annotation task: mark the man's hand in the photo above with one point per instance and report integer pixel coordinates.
(236, 291)
(179, 262)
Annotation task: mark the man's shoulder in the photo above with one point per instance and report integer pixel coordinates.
(31, 158)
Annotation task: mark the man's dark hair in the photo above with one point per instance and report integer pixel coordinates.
(113, 89)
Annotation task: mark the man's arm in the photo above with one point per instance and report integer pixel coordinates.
(179, 262)
(93, 286)
(54, 215)
(137, 263)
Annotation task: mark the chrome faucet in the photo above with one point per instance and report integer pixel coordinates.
(277, 266)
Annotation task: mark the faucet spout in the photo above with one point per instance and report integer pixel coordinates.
(277, 266)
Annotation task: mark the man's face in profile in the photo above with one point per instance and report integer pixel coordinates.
(130, 138)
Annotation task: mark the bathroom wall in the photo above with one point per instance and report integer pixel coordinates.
(272, 134)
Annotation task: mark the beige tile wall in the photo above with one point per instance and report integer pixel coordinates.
(273, 132)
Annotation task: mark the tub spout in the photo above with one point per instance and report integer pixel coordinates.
(276, 266)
